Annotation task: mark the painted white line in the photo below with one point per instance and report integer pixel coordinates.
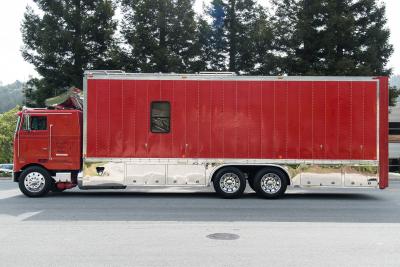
(12, 219)
(27, 215)
(9, 193)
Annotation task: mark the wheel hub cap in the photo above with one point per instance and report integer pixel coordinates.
(271, 183)
(34, 182)
(230, 183)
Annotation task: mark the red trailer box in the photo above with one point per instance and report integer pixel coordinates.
(194, 130)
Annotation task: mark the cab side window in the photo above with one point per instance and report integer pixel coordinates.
(39, 123)
(36, 123)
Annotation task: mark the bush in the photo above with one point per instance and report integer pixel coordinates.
(5, 174)
(8, 121)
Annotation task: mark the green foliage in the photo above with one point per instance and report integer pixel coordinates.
(394, 93)
(8, 121)
(330, 37)
(239, 37)
(293, 37)
(160, 35)
(68, 37)
(217, 41)
(10, 96)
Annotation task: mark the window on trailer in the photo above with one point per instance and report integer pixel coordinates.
(160, 117)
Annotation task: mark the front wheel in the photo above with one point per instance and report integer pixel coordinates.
(35, 182)
(229, 182)
(270, 183)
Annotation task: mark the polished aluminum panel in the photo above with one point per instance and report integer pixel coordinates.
(142, 174)
(360, 176)
(182, 172)
(186, 174)
(321, 175)
(63, 177)
(333, 175)
(103, 174)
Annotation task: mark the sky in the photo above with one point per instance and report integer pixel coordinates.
(13, 67)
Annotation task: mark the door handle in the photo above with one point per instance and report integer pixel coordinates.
(44, 148)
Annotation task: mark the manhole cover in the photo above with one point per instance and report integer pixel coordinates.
(223, 236)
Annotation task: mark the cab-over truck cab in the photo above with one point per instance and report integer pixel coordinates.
(47, 150)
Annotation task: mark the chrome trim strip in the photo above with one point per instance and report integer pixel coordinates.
(84, 142)
(50, 140)
(378, 113)
(94, 74)
(220, 161)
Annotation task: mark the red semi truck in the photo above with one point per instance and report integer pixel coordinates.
(182, 130)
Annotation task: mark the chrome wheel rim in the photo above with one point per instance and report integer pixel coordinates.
(271, 183)
(229, 183)
(34, 182)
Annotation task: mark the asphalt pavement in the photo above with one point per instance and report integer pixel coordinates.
(181, 227)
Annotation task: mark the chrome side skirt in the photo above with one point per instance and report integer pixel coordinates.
(119, 173)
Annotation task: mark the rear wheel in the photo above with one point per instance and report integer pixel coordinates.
(270, 183)
(35, 182)
(229, 182)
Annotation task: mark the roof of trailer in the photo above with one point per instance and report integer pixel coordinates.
(118, 74)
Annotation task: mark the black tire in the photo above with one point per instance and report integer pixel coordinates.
(39, 174)
(233, 175)
(277, 186)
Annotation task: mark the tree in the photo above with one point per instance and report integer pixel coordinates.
(284, 27)
(394, 93)
(373, 50)
(332, 37)
(239, 38)
(202, 46)
(68, 37)
(8, 121)
(260, 46)
(217, 40)
(160, 35)
(182, 36)
(239, 24)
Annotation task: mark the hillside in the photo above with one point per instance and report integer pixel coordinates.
(10, 95)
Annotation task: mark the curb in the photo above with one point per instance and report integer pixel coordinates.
(5, 178)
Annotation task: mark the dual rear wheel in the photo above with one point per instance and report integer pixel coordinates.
(268, 182)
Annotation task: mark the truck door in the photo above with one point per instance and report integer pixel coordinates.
(34, 139)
